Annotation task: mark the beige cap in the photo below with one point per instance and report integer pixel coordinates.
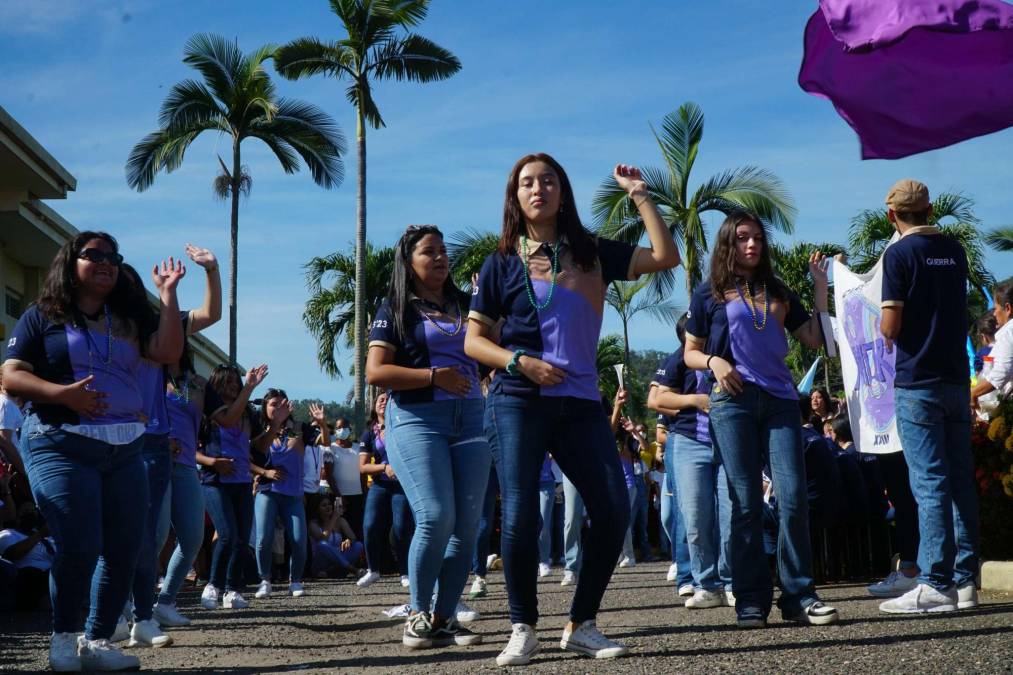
(908, 196)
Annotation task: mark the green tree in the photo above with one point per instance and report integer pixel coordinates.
(1000, 238)
(377, 46)
(628, 300)
(236, 98)
(329, 313)
(751, 188)
(468, 249)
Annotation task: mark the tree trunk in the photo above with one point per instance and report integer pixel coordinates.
(626, 340)
(360, 276)
(234, 249)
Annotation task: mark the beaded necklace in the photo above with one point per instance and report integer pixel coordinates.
(458, 322)
(93, 345)
(751, 306)
(183, 387)
(528, 286)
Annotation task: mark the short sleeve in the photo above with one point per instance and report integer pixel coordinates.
(672, 372)
(487, 293)
(896, 278)
(797, 313)
(697, 323)
(27, 343)
(381, 332)
(366, 442)
(616, 260)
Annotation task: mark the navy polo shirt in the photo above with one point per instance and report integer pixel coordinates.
(728, 331)
(925, 272)
(564, 334)
(674, 375)
(434, 340)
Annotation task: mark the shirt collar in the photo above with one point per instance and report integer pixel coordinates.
(429, 303)
(922, 229)
(535, 246)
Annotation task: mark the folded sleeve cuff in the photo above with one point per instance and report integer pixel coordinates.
(482, 318)
(891, 303)
(381, 343)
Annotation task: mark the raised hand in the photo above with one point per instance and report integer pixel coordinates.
(622, 396)
(630, 179)
(256, 375)
(818, 264)
(283, 412)
(202, 256)
(82, 399)
(168, 276)
(317, 414)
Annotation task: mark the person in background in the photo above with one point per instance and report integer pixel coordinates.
(924, 288)
(984, 333)
(822, 405)
(630, 442)
(75, 358)
(386, 503)
(10, 424)
(28, 546)
(341, 463)
(1000, 375)
(483, 536)
(336, 551)
(638, 515)
(548, 479)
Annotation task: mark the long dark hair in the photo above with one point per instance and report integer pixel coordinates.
(401, 281)
(722, 273)
(1003, 294)
(216, 381)
(581, 242)
(127, 300)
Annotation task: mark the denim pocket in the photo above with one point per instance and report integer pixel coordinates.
(917, 406)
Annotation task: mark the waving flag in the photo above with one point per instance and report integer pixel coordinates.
(912, 75)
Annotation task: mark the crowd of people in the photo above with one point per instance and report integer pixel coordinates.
(485, 403)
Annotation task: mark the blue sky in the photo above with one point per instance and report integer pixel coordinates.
(581, 80)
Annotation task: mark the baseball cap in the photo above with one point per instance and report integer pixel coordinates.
(908, 196)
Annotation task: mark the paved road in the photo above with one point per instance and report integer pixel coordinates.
(338, 628)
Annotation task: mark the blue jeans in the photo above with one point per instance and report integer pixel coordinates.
(230, 506)
(158, 468)
(485, 525)
(327, 556)
(546, 502)
(386, 505)
(639, 517)
(183, 507)
(749, 430)
(578, 435)
(441, 456)
(707, 512)
(676, 527)
(934, 423)
(628, 552)
(267, 506)
(93, 497)
(573, 525)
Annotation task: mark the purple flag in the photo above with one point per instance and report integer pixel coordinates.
(905, 86)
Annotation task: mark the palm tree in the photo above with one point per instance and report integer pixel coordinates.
(1000, 239)
(377, 46)
(468, 250)
(330, 311)
(622, 296)
(751, 188)
(238, 99)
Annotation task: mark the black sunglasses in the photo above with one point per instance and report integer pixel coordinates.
(97, 255)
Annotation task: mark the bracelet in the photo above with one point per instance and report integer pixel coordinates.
(511, 367)
(432, 376)
(709, 361)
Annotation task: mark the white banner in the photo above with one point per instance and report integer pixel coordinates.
(867, 369)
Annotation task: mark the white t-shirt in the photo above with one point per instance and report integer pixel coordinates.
(345, 468)
(1001, 374)
(10, 416)
(39, 557)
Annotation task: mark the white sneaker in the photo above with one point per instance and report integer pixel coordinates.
(921, 599)
(895, 585)
(148, 634)
(161, 582)
(967, 595)
(233, 600)
(63, 656)
(296, 589)
(479, 589)
(122, 631)
(569, 578)
(544, 570)
(166, 615)
(587, 639)
(522, 646)
(703, 599)
(686, 590)
(673, 572)
(263, 590)
(367, 579)
(405, 581)
(627, 561)
(729, 598)
(103, 655)
(490, 560)
(465, 614)
(209, 597)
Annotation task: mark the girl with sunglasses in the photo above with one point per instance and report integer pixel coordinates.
(435, 441)
(546, 284)
(75, 357)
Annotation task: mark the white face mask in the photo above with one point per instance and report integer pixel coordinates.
(343, 433)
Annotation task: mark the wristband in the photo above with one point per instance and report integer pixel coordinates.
(511, 367)
(709, 361)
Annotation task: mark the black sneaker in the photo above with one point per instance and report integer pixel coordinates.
(750, 617)
(418, 631)
(816, 614)
(453, 633)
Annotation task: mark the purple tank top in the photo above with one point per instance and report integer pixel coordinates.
(184, 421)
(290, 462)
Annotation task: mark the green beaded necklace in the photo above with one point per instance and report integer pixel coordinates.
(528, 286)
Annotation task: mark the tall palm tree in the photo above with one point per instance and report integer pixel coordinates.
(237, 99)
(627, 299)
(468, 249)
(377, 46)
(749, 187)
(329, 314)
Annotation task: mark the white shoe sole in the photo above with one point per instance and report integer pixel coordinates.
(611, 653)
(138, 643)
(930, 610)
(518, 659)
(710, 604)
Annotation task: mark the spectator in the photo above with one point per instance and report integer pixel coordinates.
(28, 546)
(336, 551)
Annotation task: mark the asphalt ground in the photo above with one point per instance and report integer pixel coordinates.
(337, 627)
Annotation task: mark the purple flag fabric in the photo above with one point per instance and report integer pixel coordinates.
(867, 24)
(928, 88)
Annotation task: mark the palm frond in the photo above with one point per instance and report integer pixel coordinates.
(1000, 238)
(753, 189)
(360, 95)
(414, 58)
(159, 150)
(309, 56)
(189, 103)
(468, 250)
(679, 140)
(218, 60)
(311, 133)
(406, 13)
